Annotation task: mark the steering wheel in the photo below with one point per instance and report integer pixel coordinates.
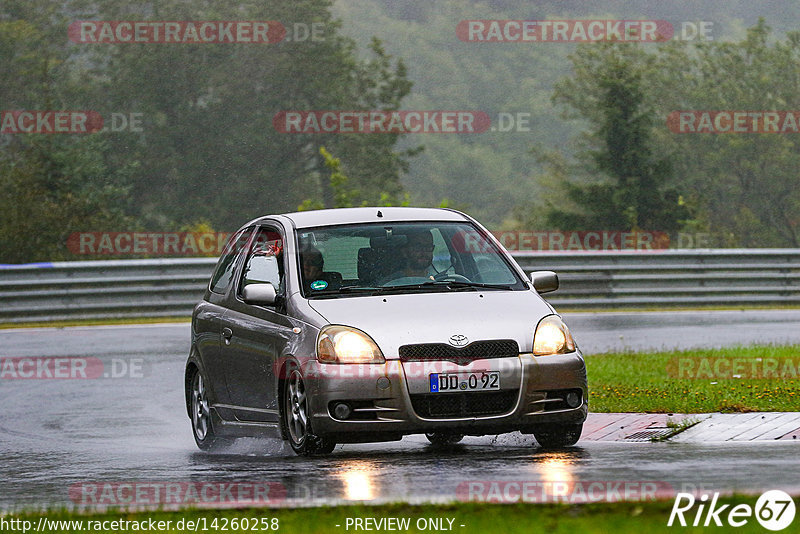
(452, 277)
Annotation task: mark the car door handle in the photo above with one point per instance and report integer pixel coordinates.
(227, 334)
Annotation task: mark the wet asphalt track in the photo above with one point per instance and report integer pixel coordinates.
(55, 434)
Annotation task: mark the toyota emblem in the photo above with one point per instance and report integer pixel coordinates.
(458, 340)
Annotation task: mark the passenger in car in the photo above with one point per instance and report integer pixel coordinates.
(313, 263)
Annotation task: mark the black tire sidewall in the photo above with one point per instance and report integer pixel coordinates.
(554, 436)
(311, 443)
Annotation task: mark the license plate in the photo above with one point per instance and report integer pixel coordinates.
(455, 382)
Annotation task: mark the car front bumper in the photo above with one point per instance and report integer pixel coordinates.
(392, 399)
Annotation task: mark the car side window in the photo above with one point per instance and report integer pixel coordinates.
(264, 261)
(223, 272)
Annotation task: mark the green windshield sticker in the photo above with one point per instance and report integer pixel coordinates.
(319, 285)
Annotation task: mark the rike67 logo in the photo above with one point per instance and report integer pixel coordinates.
(774, 510)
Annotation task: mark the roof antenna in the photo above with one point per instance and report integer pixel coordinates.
(380, 214)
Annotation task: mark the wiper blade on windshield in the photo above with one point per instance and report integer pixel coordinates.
(459, 283)
(433, 284)
(347, 289)
(391, 289)
(334, 293)
(380, 289)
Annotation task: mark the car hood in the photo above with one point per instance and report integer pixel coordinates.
(396, 320)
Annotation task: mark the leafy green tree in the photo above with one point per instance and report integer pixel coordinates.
(629, 179)
(52, 185)
(740, 187)
(744, 185)
(209, 149)
(345, 196)
(53, 190)
(484, 173)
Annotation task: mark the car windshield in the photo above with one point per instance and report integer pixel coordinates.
(364, 259)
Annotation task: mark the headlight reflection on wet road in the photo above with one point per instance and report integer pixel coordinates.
(359, 481)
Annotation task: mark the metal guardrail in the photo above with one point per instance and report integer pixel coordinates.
(657, 279)
(672, 278)
(102, 289)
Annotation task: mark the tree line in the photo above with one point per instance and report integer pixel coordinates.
(204, 153)
(196, 148)
(661, 150)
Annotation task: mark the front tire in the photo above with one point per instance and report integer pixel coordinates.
(297, 422)
(444, 438)
(556, 436)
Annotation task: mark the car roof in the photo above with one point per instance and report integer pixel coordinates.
(307, 219)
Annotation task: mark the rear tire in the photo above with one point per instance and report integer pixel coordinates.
(556, 436)
(200, 411)
(444, 438)
(297, 423)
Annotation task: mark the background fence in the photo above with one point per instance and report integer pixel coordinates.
(589, 280)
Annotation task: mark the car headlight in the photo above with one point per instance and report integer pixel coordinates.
(552, 337)
(344, 344)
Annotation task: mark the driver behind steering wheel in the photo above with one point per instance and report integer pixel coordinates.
(416, 258)
(417, 255)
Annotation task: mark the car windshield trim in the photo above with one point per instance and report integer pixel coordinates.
(462, 249)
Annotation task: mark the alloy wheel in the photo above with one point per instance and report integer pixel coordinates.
(296, 408)
(200, 413)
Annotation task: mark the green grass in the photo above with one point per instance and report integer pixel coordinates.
(619, 518)
(675, 428)
(647, 382)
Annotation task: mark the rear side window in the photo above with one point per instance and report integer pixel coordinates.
(223, 273)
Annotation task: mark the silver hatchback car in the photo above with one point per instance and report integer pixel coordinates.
(367, 324)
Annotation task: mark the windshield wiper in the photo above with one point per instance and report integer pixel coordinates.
(376, 290)
(390, 289)
(433, 284)
(347, 289)
(459, 284)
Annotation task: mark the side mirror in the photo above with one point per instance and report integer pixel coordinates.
(544, 281)
(259, 294)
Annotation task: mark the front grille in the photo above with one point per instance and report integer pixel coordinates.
(477, 350)
(473, 404)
